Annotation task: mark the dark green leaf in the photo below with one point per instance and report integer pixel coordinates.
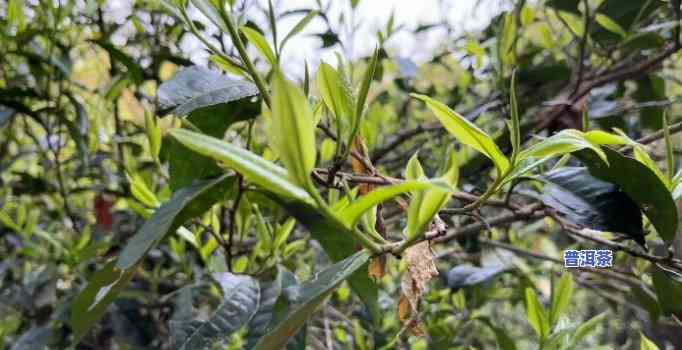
(241, 299)
(304, 299)
(338, 244)
(591, 202)
(91, 304)
(466, 276)
(647, 299)
(197, 87)
(640, 184)
(669, 292)
(270, 289)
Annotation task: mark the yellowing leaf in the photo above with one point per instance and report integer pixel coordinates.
(466, 132)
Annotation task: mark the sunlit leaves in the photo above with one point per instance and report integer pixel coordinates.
(153, 132)
(293, 130)
(466, 132)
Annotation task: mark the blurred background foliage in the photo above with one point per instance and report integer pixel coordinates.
(80, 170)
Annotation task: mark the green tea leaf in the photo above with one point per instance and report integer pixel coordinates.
(259, 41)
(91, 304)
(639, 183)
(588, 327)
(366, 82)
(141, 192)
(254, 168)
(536, 314)
(153, 132)
(198, 87)
(668, 290)
(586, 200)
(610, 25)
(240, 302)
(299, 27)
(563, 142)
(561, 297)
(426, 204)
(466, 132)
(336, 96)
(351, 214)
(293, 130)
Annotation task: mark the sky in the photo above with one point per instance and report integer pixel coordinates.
(371, 15)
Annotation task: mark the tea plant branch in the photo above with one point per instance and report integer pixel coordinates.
(239, 44)
(583, 46)
(241, 188)
(382, 180)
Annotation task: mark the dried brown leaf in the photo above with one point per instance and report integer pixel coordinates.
(377, 267)
(421, 269)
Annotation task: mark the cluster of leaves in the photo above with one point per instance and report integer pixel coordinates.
(251, 210)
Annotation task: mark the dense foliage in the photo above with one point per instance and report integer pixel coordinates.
(154, 199)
